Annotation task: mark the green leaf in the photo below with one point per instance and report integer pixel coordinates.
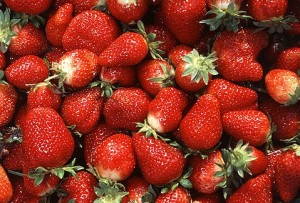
(164, 190)
(186, 183)
(39, 179)
(71, 201)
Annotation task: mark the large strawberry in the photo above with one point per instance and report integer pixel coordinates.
(6, 190)
(177, 195)
(28, 6)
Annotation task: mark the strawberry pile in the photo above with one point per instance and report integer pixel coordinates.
(153, 101)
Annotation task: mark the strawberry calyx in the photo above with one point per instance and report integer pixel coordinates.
(294, 147)
(225, 18)
(150, 195)
(166, 80)
(148, 130)
(59, 75)
(294, 98)
(36, 20)
(1, 77)
(199, 67)
(100, 6)
(269, 143)
(107, 88)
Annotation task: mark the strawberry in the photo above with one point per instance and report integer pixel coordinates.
(137, 187)
(159, 162)
(58, 23)
(79, 189)
(287, 175)
(182, 18)
(93, 30)
(259, 164)
(272, 158)
(201, 127)
(114, 158)
(237, 52)
(88, 104)
(14, 160)
(257, 189)
(289, 59)
(283, 86)
(208, 198)
(126, 107)
(6, 190)
(231, 96)
(28, 6)
(116, 75)
(20, 194)
(127, 11)
(177, 53)
(174, 196)
(26, 70)
(155, 74)
(165, 111)
(2, 61)
(80, 6)
(54, 55)
(251, 126)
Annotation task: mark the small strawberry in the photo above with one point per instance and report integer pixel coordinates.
(137, 187)
(177, 195)
(201, 127)
(28, 6)
(177, 53)
(283, 86)
(2, 61)
(289, 59)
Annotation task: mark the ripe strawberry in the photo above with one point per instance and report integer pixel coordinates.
(93, 30)
(287, 175)
(26, 70)
(80, 6)
(114, 158)
(257, 189)
(231, 96)
(136, 187)
(272, 158)
(58, 23)
(208, 198)
(182, 18)
(155, 74)
(28, 6)
(159, 162)
(14, 160)
(283, 86)
(80, 188)
(6, 190)
(2, 61)
(201, 128)
(259, 164)
(126, 107)
(54, 55)
(20, 194)
(124, 76)
(177, 195)
(127, 11)
(83, 109)
(165, 111)
(177, 53)
(237, 53)
(251, 126)
(289, 59)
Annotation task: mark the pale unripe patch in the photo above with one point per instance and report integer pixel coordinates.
(127, 3)
(154, 123)
(66, 66)
(109, 174)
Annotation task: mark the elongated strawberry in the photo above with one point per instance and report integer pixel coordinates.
(289, 59)
(136, 187)
(201, 127)
(173, 196)
(6, 190)
(232, 96)
(28, 6)
(159, 162)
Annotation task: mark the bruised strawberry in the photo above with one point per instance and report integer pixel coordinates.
(136, 187)
(6, 190)
(179, 194)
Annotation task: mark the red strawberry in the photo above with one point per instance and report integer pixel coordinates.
(177, 53)
(80, 6)
(289, 59)
(20, 194)
(177, 195)
(83, 109)
(237, 52)
(283, 86)
(124, 76)
(136, 187)
(272, 158)
(182, 18)
(58, 23)
(54, 55)
(126, 107)
(14, 160)
(201, 128)
(80, 188)
(260, 163)
(93, 30)
(28, 6)
(114, 158)
(127, 11)
(165, 111)
(26, 70)
(251, 126)
(2, 61)
(255, 190)
(208, 198)
(159, 162)
(6, 190)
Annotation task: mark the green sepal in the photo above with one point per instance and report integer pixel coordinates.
(36, 20)
(149, 196)
(294, 98)
(166, 80)
(107, 88)
(71, 201)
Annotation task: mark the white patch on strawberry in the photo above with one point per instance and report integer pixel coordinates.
(153, 121)
(109, 174)
(66, 67)
(127, 3)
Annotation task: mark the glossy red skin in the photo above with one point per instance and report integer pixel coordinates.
(136, 186)
(6, 190)
(54, 54)
(260, 164)
(165, 111)
(266, 9)
(79, 33)
(272, 158)
(177, 53)
(46, 140)
(203, 175)
(58, 23)
(208, 198)
(80, 6)
(2, 61)
(129, 11)
(114, 158)
(28, 6)
(28, 69)
(20, 117)
(20, 195)
(182, 18)
(81, 189)
(178, 195)
(289, 59)
(257, 189)
(201, 127)
(30, 40)
(159, 162)
(14, 160)
(287, 175)
(231, 96)
(8, 102)
(125, 76)
(125, 107)
(83, 109)
(151, 69)
(58, 3)
(237, 53)
(286, 118)
(251, 126)
(128, 49)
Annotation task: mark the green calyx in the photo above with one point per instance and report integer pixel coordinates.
(147, 129)
(107, 88)
(109, 191)
(228, 19)
(1, 77)
(276, 24)
(166, 80)
(59, 75)
(294, 98)
(36, 20)
(199, 67)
